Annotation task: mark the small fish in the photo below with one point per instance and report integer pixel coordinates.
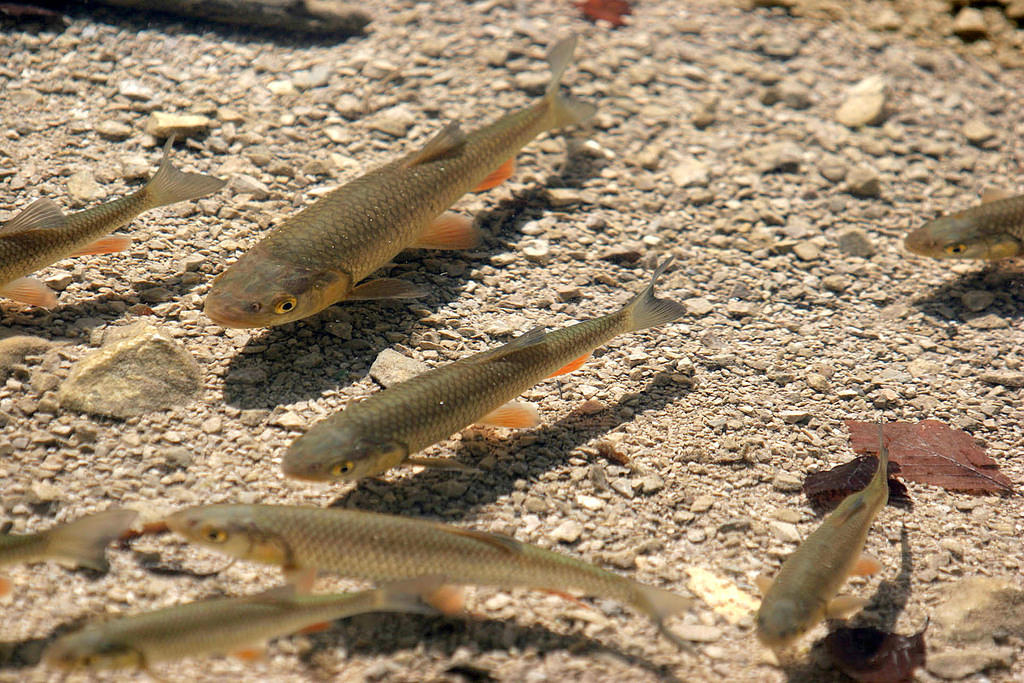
(804, 591)
(42, 235)
(385, 548)
(322, 254)
(236, 626)
(993, 230)
(386, 429)
(81, 542)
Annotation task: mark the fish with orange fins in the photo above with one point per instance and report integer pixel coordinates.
(804, 591)
(42, 235)
(324, 253)
(81, 542)
(388, 428)
(990, 231)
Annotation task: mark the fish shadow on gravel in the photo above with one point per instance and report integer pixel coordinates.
(257, 379)
(385, 634)
(945, 303)
(452, 495)
(889, 601)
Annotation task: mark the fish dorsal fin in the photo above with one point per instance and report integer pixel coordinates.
(41, 214)
(503, 543)
(534, 336)
(448, 142)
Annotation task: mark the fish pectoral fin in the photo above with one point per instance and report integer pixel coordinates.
(497, 176)
(29, 290)
(385, 288)
(763, 583)
(513, 414)
(318, 627)
(500, 541)
(300, 580)
(449, 231)
(866, 565)
(566, 596)
(843, 606)
(448, 142)
(42, 214)
(104, 245)
(249, 654)
(5, 586)
(572, 365)
(446, 599)
(439, 464)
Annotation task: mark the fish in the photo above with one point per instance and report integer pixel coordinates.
(386, 429)
(385, 548)
(238, 625)
(990, 231)
(42, 234)
(805, 590)
(323, 254)
(81, 542)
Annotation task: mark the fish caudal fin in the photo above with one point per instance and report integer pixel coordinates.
(646, 310)
(170, 185)
(84, 541)
(566, 110)
(660, 604)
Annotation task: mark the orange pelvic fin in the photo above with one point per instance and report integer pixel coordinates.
(104, 245)
(39, 215)
(449, 231)
(497, 176)
(385, 288)
(249, 654)
(574, 365)
(5, 586)
(301, 579)
(866, 566)
(446, 599)
(566, 596)
(514, 415)
(318, 627)
(29, 290)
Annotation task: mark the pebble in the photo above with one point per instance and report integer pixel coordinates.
(316, 77)
(698, 306)
(177, 456)
(698, 633)
(390, 367)
(14, 350)
(960, 664)
(781, 157)
(855, 242)
(807, 251)
(976, 300)
(243, 183)
(702, 504)
(969, 24)
(1013, 380)
(690, 173)
(289, 420)
(134, 167)
(395, 121)
(135, 90)
(83, 187)
(590, 502)
(537, 251)
(863, 181)
(568, 531)
(165, 124)
(282, 86)
(144, 371)
(978, 132)
(787, 482)
(784, 531)
(791, 93)
(113, 130)
(696, 534)
(651, 483)
(864, 103)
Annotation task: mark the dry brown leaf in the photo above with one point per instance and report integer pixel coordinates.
(869, 655)
(826, 489)
(931, 452)
(611, 11)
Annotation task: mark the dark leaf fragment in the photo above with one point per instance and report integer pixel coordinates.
(826, 489)
(611, 11)
(869, 655)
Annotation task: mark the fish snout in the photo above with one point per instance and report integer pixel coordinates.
(227, 312)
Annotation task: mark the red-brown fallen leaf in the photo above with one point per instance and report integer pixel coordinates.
(826, 489)
(611, 11)
(872, 656)
(931, 452)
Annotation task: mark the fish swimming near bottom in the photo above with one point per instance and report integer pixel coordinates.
(804, 591)
(386, 548)
(82, 542)
(42, 235)
(993, 230)
(388, 428)
(218, 626)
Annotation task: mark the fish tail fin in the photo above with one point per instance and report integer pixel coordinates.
(84, 541)
(170, 185)
(567, 111)
(646, 310)
(660, 604)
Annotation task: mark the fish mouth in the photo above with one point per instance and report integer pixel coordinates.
(226, 314)
(919, 242)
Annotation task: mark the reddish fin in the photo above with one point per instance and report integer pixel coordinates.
(385, 288)
(497, 176)
(866, 566)
(566, 596)
(5, 586)
(514, 415)
(301, 579)
(763, 583)
(449, 231)
(843, 606)
(249, 654)
(446, 599)
(28, 290)
(104, 245)
(574, 365)
(319, 627)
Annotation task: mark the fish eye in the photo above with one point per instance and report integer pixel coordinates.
(215, 535)
(956, 248)
(285, 305)
(341, 468)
